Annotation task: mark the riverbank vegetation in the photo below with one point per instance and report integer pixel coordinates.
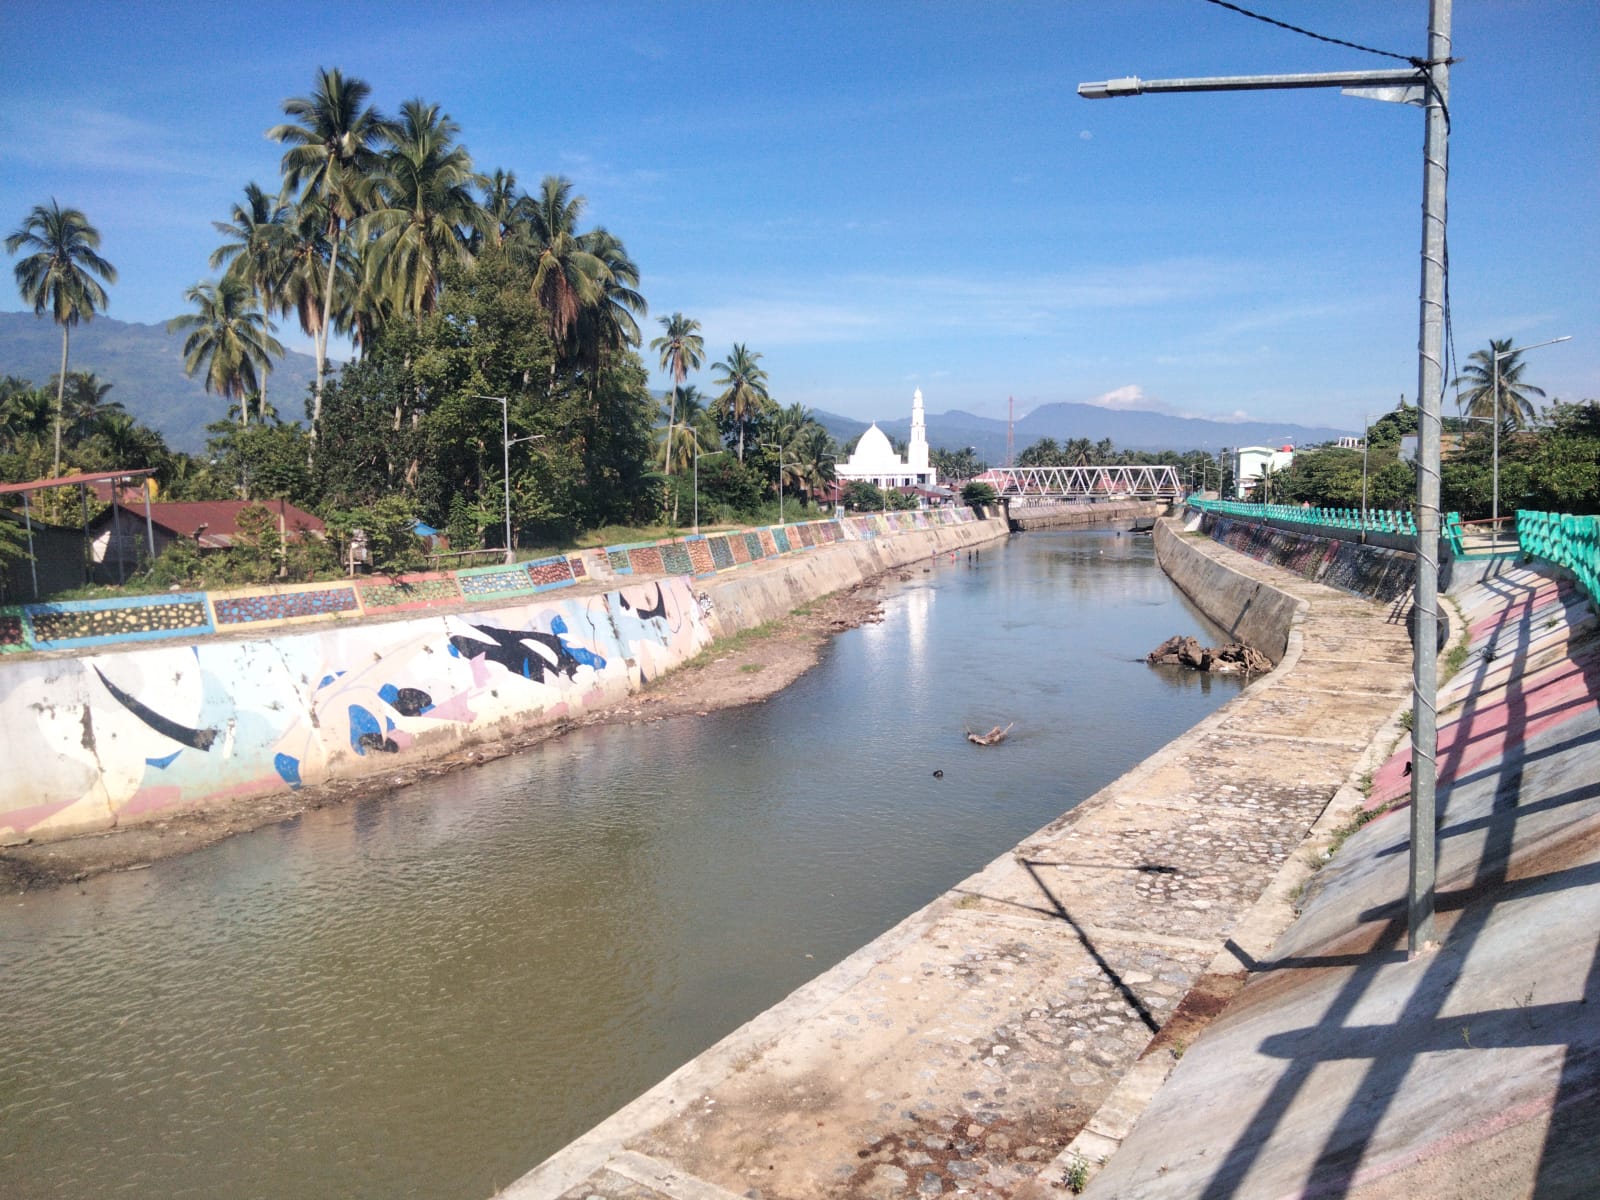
(496, 345)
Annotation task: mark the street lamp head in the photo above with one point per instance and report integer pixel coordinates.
(1111, 88)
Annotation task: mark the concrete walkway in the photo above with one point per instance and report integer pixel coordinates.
(963, 1051)
(1343, 1069)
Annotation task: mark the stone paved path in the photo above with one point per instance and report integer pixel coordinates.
(964, 1051)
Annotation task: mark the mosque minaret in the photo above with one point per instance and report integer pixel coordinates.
(876, 462)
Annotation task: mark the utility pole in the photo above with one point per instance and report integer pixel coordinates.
(1425, 82)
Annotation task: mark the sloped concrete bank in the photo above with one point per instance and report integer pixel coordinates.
(1344, 1069)
(119, 736)
(1026, 1016)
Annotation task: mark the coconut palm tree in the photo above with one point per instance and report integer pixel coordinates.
(609, 323)
(744, 390)
(1514, 404)
(258, 249)
(229, 337)
(85, 405)
(566, 275)
(501, 197)
(60, 276)
(333, 157)
(682, 350)
(425, 207)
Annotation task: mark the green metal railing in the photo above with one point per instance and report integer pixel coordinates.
(1571, 543)
(1378, 520)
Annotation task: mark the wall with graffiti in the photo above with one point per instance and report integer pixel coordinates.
(152, 712)
(110, 738)
(1375, 572)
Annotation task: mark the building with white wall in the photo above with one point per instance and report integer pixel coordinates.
(1251, 462)
(874, 460)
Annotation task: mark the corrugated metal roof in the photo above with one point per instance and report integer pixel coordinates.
(39, 485)
(214, 523)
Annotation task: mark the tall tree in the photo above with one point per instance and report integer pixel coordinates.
(230, 338)
(682, 350)
(1514, 403)
(60, 276)
(332, 157)
(744, 389)
(425, 207)
(566, 274)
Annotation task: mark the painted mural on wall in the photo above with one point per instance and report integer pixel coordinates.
(1375, 572)
(163, 727)
(155, 715)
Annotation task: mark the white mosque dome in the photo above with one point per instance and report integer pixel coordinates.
(875, 452)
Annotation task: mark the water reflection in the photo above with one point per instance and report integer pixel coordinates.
(429, 993)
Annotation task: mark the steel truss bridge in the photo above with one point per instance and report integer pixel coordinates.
(1122, 483)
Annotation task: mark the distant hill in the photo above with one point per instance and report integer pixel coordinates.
(1128, 429)
(144, 363)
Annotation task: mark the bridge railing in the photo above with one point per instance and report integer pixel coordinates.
(1395, 522)
(1569, 542)
(1105, 482)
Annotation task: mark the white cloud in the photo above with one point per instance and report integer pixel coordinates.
(1123, 398)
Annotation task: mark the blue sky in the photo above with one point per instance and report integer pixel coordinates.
(890, 195)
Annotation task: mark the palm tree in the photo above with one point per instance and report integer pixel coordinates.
(85, 405)
(744, 389)
(608, 324)
(566, 275)
(229, 336)
(682, 350)
(426, 207)
(333, 154)
(500, 200)
(60, 275)
(1479, 400)
(813, 450)
(259, 250)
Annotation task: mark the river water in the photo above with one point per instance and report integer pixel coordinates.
(427, 993)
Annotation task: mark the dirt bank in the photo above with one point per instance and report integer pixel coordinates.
(741, 670)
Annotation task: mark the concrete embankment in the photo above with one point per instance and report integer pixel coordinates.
(1045, 513)
(1343, 1068)
(1038, 1004)
(123, 734)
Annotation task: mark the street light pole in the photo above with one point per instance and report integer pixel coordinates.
(1426, 83)
(506, 443)
(781, 466)
(713, 454)
(1497, 355)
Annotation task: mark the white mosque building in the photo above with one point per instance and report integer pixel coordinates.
(875, 461)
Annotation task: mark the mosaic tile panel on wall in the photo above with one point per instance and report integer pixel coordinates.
(646, 560)
(722, 553)
(408, 592)
(494, 581)
(12, 634)
(700, 557)
(617, 556)
(284, 606)
(675, 559)
(93, 622)
(550, 572)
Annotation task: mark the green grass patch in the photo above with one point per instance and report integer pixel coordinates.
(1344, 833)
(752, 668)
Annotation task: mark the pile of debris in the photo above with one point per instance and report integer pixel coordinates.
(1232, 659)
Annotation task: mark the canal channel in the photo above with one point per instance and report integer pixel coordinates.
(427, 993)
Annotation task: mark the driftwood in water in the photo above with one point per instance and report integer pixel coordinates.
(992, 738)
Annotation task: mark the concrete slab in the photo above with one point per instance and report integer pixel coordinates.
(1341, 1068)
(964, 1050)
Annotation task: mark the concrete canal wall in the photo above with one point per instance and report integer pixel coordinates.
(1028, 1014)
(145, 718)
(1040, 513)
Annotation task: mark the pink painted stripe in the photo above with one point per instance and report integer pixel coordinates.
(1487, 728)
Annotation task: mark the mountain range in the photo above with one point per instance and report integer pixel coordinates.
(144, 363)
(1128, 429)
